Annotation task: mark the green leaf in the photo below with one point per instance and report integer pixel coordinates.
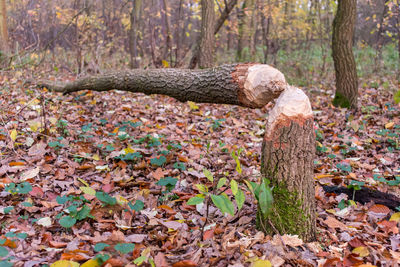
(124, 248)
(22, 235)
(67, 221)
(140, 260)
(62, 200)
(396, 97)
(240, 198)
(24, 188)
(195, 200)
(101, 258)
(265, 199)
(83, 213)
(234, 187)
(208, 175)
(6, 263)
(223, 203)
(7, 210)
(3, 252)
(202, 188)
(158, 161)
(167, 181)
(221, 182)
(106, 198)
(100, 246)
(139, 205)
(11, 234)
(26, 204)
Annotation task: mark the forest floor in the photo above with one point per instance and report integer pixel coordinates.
(107, 176)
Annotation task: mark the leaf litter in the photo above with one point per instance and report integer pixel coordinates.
(106, 180)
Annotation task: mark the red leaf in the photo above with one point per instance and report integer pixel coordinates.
(37, 192)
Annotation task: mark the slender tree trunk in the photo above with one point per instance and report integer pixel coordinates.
(207, 37)
(168, 47)
(379, 37)
(225, 14)
(133, 32)
(4, 47)
(342, 53)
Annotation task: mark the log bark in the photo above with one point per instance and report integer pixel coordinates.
(287, 161)
(248, 85)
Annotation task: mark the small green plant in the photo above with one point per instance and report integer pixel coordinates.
(77, 210)
(356, 186)
(21, 188)
(62, 127)
(216, 193)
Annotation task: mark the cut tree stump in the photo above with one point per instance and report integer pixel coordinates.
(289, 141)
(287, 161)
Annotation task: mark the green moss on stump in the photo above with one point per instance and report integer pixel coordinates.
(287, 215)
(340, 101)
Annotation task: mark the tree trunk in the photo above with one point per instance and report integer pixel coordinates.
(342, 53)
(248, 85)
(225, 14)
(207, 37)
(4, 47)
(133, 31)
(287, 161)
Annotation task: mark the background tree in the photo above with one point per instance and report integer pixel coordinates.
(342, 53)
(4, 47)
(133, 32)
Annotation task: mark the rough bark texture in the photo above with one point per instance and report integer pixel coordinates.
(4, 47)
(133, 32)
(287, 161)
(249, 85)
(224, 16)
(207, 39)
(342, 53)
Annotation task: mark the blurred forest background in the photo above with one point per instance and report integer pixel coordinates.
(91, 36)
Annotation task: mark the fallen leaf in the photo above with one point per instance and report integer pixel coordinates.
(184, 263)
(361, 251)
(261, 263)
(65, 263)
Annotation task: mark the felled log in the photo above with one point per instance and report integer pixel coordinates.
(247, 85)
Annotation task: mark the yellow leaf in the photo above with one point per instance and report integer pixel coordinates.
(91, 263)
(361, 251)
(34, 125)
(83, 181)
(128, 150)
(88, 190)
(395, 217)
(13, 134)
(261, 263)
(165, 63)
(121, 200)
(389, 125)
(96, 157)
(192, 105)
(65, 263)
